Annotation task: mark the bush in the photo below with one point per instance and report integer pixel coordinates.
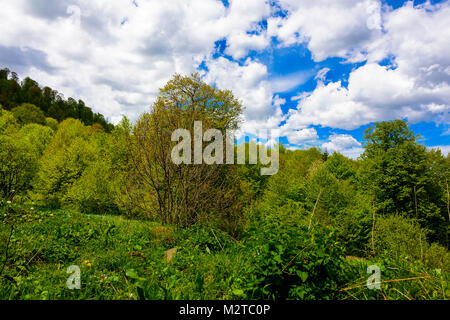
(437, 257)
(399, 237)
(291, 262)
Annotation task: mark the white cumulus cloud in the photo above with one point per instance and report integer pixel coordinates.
(344, 144)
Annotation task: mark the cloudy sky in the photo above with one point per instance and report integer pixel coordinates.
(318, 72)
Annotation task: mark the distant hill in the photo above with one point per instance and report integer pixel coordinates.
(51, 102)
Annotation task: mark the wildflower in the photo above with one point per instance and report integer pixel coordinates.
(51, 214)
(31, 208)
(8, 202)
(88, 263)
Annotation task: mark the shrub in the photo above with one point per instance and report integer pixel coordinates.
(291, 262)
(437, 256)
(399, 237)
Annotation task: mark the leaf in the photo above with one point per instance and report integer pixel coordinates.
(131, 273)
(303, 275)
(238, 292)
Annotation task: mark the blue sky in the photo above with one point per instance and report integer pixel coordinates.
(317, 73)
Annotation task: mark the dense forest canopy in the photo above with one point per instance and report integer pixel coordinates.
(28, 93)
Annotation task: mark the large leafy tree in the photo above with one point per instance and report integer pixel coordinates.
(182, 193)
(402, 176)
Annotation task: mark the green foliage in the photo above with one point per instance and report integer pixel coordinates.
(404, 177)
(18, 164)
(304, 233)
(82, 168)
(119, 259)
(291, 262)
(181, 193)
(8, 122)
(400, 280)
(341, 167)
(37, 136)
(91, 193)
(63, 162)
(399, 237)
(386, 135)
(52, 123)
(29, 113)
(47, 101)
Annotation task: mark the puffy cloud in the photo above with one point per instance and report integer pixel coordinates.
(303, 136)
(242, 27)
(116, 55)
(343, 28)
(345, 144)
(416, 86)
(249, 82)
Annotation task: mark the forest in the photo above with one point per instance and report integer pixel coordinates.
(32, 104)
(78, 191)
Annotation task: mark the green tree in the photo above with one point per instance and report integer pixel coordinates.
(38, 136)
(399, 173)
(341, 167)
(7, 121)
(52, 123)
(182, 194)
(18, 164)
(29, 113)
(66, 157)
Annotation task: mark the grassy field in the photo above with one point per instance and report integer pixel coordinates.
(127, 259)
(118, 258)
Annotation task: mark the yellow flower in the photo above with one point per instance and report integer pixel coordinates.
(88, 263)
(51, 214)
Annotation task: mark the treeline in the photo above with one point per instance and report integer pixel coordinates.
(391, 204)
(49, 102)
